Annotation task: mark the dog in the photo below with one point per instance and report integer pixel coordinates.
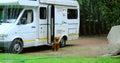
(56, 45)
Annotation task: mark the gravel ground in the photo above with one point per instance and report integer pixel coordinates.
(85, 46)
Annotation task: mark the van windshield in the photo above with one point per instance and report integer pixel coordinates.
(9, 15)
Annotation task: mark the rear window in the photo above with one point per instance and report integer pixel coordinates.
(72, 13)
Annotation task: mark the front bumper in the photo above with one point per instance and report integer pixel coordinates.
(5, 44)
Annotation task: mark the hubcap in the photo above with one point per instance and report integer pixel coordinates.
(17, 47)
(62, 42)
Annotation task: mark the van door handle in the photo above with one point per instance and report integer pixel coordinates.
(33, 27)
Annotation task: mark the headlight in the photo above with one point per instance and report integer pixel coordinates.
(3, 36)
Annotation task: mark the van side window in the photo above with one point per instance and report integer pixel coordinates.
(42, 13)
(27, 17)
(72, 13)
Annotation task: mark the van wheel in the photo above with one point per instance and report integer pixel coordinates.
(16, 47)
(62, 42)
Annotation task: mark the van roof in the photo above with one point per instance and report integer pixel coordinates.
(61, 2)
(8, 2)
(36, 2)
(20, 2)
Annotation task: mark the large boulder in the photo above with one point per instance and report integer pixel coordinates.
(114, 40)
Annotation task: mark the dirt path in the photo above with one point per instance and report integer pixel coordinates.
(93, 46)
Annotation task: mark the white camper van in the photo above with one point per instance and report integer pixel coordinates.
(28, 23)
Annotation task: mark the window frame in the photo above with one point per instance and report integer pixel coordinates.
(71, 11)
(45, 14)
(26, 19)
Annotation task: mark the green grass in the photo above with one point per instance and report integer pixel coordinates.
(13, 58)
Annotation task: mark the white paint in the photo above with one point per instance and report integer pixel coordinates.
(35, 33)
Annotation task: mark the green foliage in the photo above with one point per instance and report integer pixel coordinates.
(91, 18)
(110, 10)
(104, 12)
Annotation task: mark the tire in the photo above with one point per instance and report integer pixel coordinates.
(62, 42)
(16, 47)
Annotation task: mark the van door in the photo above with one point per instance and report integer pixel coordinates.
(51, 21)
(46, 22)
(43, 30)
(27, 28)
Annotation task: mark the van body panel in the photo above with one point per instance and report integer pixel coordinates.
(38, 21)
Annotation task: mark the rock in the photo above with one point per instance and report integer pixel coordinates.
(114, 40)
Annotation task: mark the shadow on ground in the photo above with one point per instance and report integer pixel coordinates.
(42, 48)
(39, 48)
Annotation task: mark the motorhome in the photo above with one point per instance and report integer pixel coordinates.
(29, 23)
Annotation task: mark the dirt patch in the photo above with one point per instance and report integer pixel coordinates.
(92, 46)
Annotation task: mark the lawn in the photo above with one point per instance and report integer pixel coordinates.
(13, 58)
